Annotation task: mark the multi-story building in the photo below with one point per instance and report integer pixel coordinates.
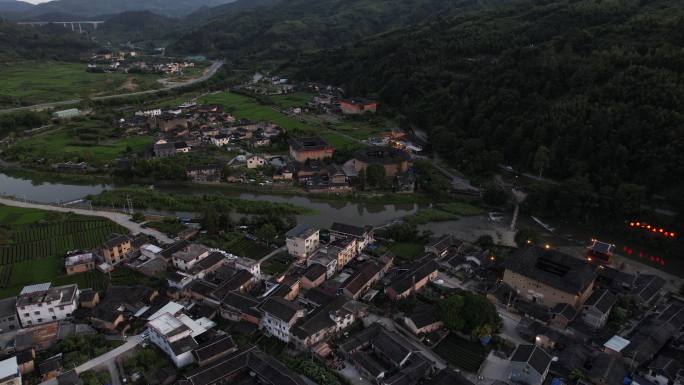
(41, 303)
(8, 315)
(302, 241)
(549, 277)
(358, 106)
(116, 249)
(173, 337)
(279, 315)
(596, 308)
(362, 235)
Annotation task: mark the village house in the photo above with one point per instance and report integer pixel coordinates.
(313, 276)
(220, 140)
(596, 308)
(116, 249)
(8, 315)
(279, 317)
(255, 161)
(168, 122)
(326, 321)
(412, 281)
(310, 148)
(548, 277)
(324, 257)
(174, 338)
(41, 303)
(163, 149)
(79, 263)
(206, 173)
(214, 349)
(249, 365)
(423, 319)
(185, 258)
(392, 160)
(302, 241)
(358, 106)
(529, 365)
(250, 265)
(362, 235)
(9, 372)
(363, 278)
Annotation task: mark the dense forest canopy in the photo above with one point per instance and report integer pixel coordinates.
(46, 42)
(595, 87)
(282, 30)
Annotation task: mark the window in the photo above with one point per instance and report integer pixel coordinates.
(40, 320)
(61, 307)
(51, 310)
(36, 312)
(54, 317)
(26, 314)
(10, 318)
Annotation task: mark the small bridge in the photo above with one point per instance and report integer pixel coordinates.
(80, 26)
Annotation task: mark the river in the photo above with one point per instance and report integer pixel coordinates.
(361, 214)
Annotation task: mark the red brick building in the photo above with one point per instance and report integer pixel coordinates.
(358, 106)
(311, 148)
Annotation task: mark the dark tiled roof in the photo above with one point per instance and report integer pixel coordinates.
(551, 267)
(674, 315)
(646, 286)
(344, 228)
(280, 308)
(318, 296)
(424, 315)
(535, 356)
(442, 243)
(381, 155)
(115, 240)
(320, 319)
(368, 363)
(406, 280)
(314, 272)
(169, 251)
(607, 368)
(239, 301)
(313, 143)
(565, 310)
(214, 348)
(392, 346)
(50, 365)
(601, 299)
(361, 276)
(183, 345)
(448, 377)
(240, 278)
(210, 261)
(203, 288)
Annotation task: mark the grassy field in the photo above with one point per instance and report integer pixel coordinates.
(63, 145)
(42, 82)
(464, 354)
(249, 108)
(406, 252)
(236, 243)
(11, 216)
(297, 99)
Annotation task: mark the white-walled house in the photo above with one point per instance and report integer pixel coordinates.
(41, 303)
(188, 256)
(279, 317)
(173, 337)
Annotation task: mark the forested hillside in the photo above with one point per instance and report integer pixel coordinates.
(137, 27)
(47, 42)
(282, 30)
(591, 91)
(109, 7)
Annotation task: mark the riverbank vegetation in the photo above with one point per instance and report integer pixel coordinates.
(152, 199)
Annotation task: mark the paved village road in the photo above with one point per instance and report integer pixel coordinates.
(105, 359)
(211, 71)
(119, 218)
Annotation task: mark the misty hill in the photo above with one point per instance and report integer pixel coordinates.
(588, 92)
(287, 28)
(137, 26)
(89, 8)
(14, 6)
(206, 14)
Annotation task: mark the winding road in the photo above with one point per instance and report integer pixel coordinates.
(119, 218)
(211, 71)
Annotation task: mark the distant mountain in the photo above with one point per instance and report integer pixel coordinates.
(205, 14)
(52, 16)
(89, 8)
(15, 6)
(278, 29)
